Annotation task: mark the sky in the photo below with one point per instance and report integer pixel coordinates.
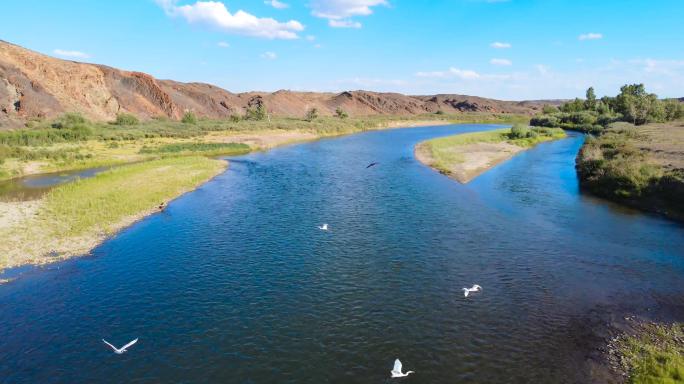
(505, 49)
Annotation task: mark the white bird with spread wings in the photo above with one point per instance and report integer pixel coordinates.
(475, 288)
(123, 349)
(396, 371)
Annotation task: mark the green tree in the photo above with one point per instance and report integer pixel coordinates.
(576, 105)
(311, 115)
(637, 105)
(674, 110)
(590, 102)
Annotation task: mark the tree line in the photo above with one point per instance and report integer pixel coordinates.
(633, 104)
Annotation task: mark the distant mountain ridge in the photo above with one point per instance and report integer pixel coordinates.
(36, 85)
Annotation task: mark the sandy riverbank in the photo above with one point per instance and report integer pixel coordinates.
(75, 218)
(476, 159)
(464, 157)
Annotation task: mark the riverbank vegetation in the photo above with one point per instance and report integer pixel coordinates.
(465, 156)
(653, 354)
(633, 105)
(640, 166)
(73, 218)
(634, 154)
(73, 142)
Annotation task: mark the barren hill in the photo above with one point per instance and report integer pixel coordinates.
(36, 85)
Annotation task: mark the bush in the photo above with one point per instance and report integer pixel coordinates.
(339, 112)
(258, 113)
(235, 118)
(126, 119)
(545, 121)
(549, 109)
(69, 121)
(189, 118)
(311, 115)
(519, 131)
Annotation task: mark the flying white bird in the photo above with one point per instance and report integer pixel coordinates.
(396, 371)
(121, 350)
(475, 288)
(323, 227)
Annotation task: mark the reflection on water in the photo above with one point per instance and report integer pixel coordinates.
(35, 186)
(234, 283)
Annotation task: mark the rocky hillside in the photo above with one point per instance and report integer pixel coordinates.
(35, 85)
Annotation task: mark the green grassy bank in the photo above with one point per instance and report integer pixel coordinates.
(75, 217)
(639, 166)
(655, 355)
(446, 152)
(72, 142)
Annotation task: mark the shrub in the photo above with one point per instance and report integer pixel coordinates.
(126, 119)
(69, 120)
(549, 109)
(258, 113)
(235, 118)
(339, 112)
(311, 115)
(545, 121)
(189, 118)
(519, 131)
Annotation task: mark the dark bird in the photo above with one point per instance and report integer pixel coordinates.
(371, 164)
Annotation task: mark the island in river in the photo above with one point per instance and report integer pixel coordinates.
(465, 156)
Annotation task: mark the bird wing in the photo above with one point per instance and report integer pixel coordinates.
(129, 344)
(113, 347)
(465, 292)
(397, 366)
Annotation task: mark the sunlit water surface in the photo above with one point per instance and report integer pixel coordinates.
(234, 283)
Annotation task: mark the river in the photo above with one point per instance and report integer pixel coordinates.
(234, 282)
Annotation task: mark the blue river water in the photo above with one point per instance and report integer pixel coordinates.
(234, 282)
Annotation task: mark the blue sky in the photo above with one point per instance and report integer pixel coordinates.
(514, 49)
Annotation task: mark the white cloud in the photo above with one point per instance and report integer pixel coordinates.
(276, 4)
(71, 54)
(590, 36)
(269, 56)
(216, 15)
(339, 12)
(501, 62)
(344, 23)
(500, 45)
(464, 74)
(310, 38)
(223, 44)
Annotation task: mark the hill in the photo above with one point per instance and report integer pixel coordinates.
(33, 85)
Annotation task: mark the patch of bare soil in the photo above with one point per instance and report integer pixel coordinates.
(476, 159)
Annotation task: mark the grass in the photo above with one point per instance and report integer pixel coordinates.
(74, 217)
(107, 198)
(655, 356)
(444, 151)
(72, 142)
(637, 166)
(208, 149)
